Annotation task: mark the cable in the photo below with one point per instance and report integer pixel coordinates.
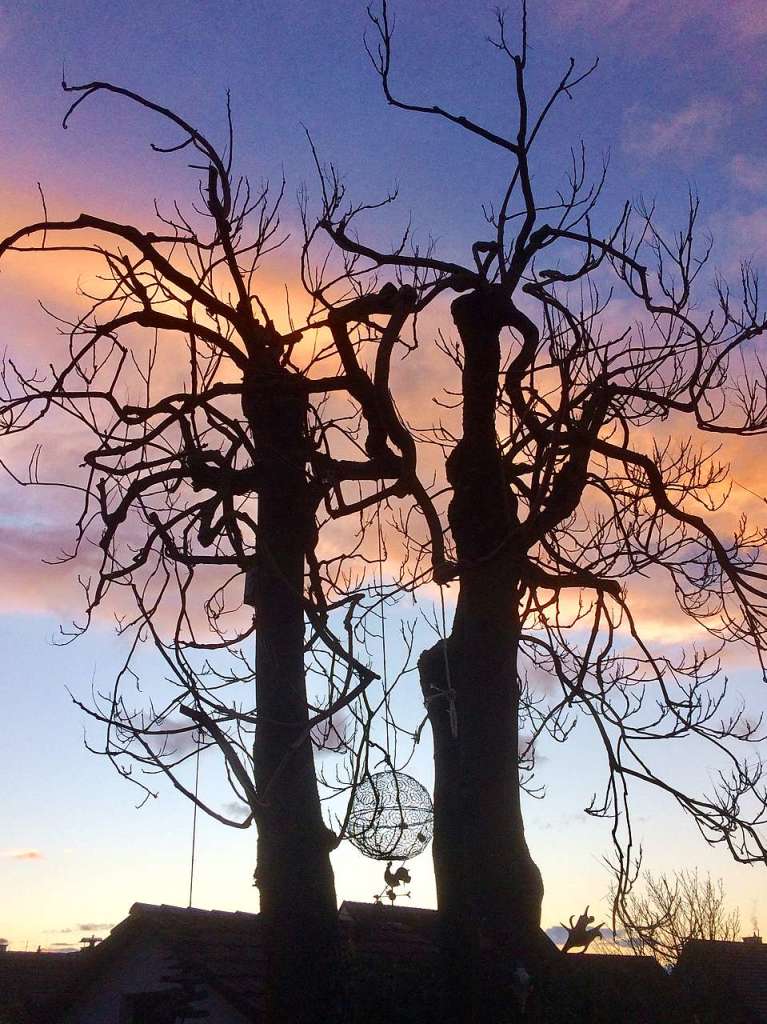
(194, 818)
(384, 666)
(451, 710)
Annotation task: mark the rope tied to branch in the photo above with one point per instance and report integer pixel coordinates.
(450, 692)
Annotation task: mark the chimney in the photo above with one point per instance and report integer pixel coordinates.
(752, 940)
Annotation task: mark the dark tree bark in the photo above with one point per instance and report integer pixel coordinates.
(489, 889)
(553, 491)
(186, 469)
(295, 878)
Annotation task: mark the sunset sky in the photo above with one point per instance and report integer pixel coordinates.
(678, 99)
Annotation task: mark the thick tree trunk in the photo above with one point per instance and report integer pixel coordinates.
(489, 890)
(488, 887)
(455, 931)
(295, 878)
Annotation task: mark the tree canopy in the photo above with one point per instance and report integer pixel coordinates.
(589, 358)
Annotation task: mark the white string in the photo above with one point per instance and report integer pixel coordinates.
(194, 818)
(451, 709)
(383, 626)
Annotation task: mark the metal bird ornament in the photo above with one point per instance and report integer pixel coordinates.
(395, 878)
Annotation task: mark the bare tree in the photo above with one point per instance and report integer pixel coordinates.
(556, 490)
(669, 910)
(210, 442)
(549, 491)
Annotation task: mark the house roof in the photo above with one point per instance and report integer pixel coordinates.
(602, 987)
(735, 969)
(375, 927)
(29, 982)
(391, 931)
(223, 951)
(614, 969)
(218, 947)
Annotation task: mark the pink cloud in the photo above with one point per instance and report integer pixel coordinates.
(37, 524)
(749, 172)
(689, 132)
(22, 855)
(743, 237)
(594, 12)
(330, 735)
(747, 18)
(653, 24)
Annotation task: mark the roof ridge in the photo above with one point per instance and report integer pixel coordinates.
(139, 908)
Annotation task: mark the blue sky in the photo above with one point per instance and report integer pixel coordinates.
(678, 99)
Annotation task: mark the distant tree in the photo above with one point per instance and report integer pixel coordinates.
(555, 491)
(210, 444)
(668, 910)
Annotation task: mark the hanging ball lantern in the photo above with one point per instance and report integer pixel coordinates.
(391, 817)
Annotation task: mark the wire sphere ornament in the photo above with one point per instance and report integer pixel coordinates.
(391, 818)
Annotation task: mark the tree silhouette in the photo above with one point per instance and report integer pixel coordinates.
(555, 492)
(537, 497)
(669, 910)
(210, 444)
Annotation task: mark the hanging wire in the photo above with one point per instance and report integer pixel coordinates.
(384, 667)
(451, 710)
(194, 818)
(754, 493)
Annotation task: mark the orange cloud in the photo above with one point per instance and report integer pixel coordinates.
(22, 855)
(38, 524)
